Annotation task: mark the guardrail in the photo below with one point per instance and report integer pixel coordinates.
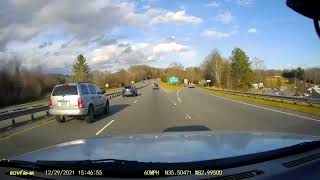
(307, 100)
(13, 113)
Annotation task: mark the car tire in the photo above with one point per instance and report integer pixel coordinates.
(60, 118)
(90, 116)
(106, 108)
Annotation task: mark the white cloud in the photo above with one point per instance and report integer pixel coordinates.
(252, 30)
(179, 17)
(213, 4)
(126, 54)
(155, 11)
(106, 53)
(225, 17)
(244, 2)
(217, 34)
(52, 33)
(25, 20)
(171, 47)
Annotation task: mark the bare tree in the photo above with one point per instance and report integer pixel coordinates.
(213, 66)
(258, 65)
(226, 73)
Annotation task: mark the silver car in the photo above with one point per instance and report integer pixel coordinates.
(77, 100)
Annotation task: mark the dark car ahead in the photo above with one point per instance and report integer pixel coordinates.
(129, 91)
(155, 86)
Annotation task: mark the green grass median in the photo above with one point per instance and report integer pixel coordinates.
(314, 109)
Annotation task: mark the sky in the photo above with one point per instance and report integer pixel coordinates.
(116, 34)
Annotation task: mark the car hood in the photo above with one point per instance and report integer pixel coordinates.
(168, 147)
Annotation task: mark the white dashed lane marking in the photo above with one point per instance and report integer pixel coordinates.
(104, 127)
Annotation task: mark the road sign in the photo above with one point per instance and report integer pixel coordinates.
(208, 80)
(132, 82)
(107, 85)
(173, 80)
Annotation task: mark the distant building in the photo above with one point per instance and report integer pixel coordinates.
(257, 85)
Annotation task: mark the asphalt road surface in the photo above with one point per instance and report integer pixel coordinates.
(156, 111)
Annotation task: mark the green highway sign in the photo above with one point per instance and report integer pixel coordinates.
(173, 80)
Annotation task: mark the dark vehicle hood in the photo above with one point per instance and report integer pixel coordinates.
(168, 147)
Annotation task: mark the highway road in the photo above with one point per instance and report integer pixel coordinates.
(155, 111)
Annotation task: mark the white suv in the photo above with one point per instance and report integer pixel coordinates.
(79, 100)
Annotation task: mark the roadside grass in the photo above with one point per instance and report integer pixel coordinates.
(314, 109)
(112, 90)
(171, 87)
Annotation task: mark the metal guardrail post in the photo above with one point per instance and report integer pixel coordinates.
(13, 122)
(32, 116)
(47, 113)
(310, 101)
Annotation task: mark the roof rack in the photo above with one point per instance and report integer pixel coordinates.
(83, 82)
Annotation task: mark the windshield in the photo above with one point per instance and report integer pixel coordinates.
(156, 78)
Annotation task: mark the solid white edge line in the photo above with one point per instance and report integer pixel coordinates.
(104, 127)
(178, 96)
(28, 129)
(318, 120)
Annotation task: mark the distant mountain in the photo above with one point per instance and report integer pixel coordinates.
(316, 69)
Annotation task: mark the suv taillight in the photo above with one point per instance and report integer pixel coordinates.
(80, 103)
(50, 103)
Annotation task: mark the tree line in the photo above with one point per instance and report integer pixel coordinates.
(236, 72)
(20, 85)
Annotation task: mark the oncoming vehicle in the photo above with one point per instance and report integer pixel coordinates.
(155, 86)
(191, 85)
(130, 90)
(77, 100)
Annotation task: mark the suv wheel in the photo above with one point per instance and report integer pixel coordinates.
(60, 118)
(106, 108)
(90, 116)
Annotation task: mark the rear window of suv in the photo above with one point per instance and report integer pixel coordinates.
(65, 90)
(127, 87)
